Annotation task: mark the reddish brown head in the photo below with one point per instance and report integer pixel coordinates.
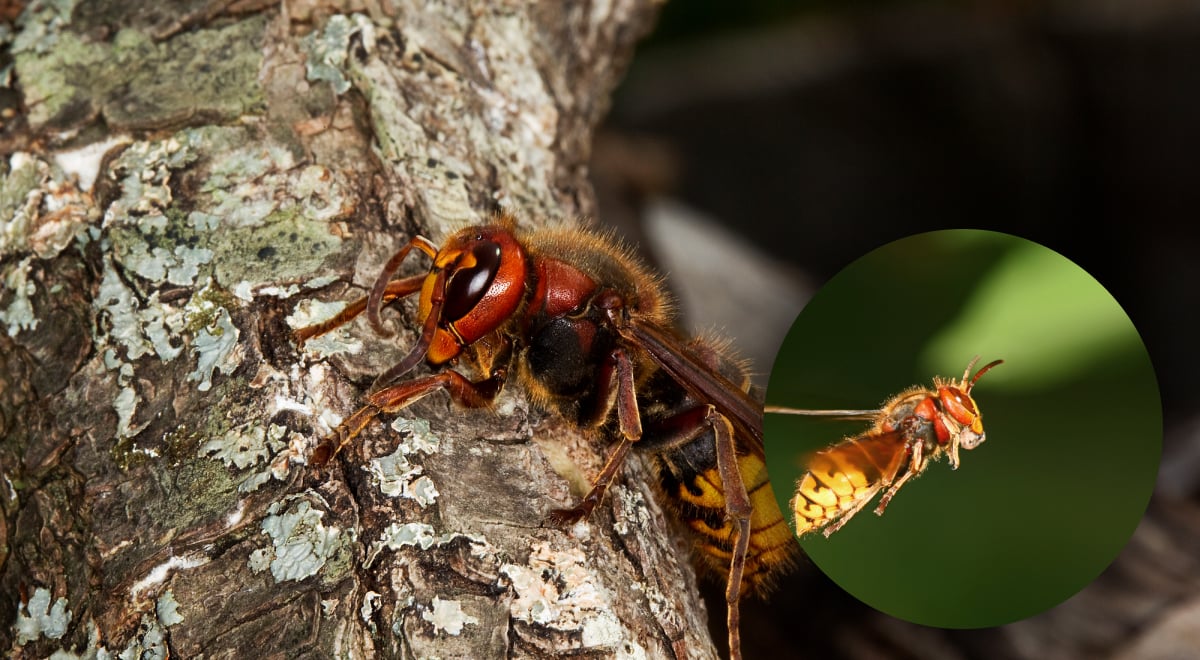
(478, 280)
(957, 402)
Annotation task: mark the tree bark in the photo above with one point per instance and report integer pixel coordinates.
(186, 183)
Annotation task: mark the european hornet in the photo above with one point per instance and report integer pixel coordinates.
(910, 430)
(590, 334)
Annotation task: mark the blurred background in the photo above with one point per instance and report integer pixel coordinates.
(756, 150)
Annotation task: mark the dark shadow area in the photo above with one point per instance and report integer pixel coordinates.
(819, 137)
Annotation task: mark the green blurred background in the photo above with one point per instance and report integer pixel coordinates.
(1073, 422)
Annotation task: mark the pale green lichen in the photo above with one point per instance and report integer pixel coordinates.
(94, 650)
(41, 208)
(237, 184)
(125, 405)
(241, 169)
(417, 436)
(326, 50)
(203, 222)
(246, 446)
(20, 197)
(117, 305)
(263, 233)
(448, 616)
(167, 609)
(249, 446)
(254, 481)
(420, 535)
(204, 308)
(422, 490)
(149, 644)
(397, 477)
(156, 247)
(240, 190)
(38, 39)
(155, 264)
(135, 330)
(399, 535)
(300, 544)
(160, 324)
(138, 330)
(152, 243)
(243, 291)
(151, 223)
(144, 171)
(40, 24)
(39, 618)
(214, 348)
(260, 560)
(371, 601)
(19, 314)
(392, 473)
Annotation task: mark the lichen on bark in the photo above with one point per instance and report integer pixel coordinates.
(156, 417)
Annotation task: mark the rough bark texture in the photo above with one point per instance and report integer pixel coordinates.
(249, 161)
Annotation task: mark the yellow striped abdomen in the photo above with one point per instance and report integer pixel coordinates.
(696, 489)
(842, 479)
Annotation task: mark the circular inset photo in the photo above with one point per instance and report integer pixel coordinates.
(1001, 489)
